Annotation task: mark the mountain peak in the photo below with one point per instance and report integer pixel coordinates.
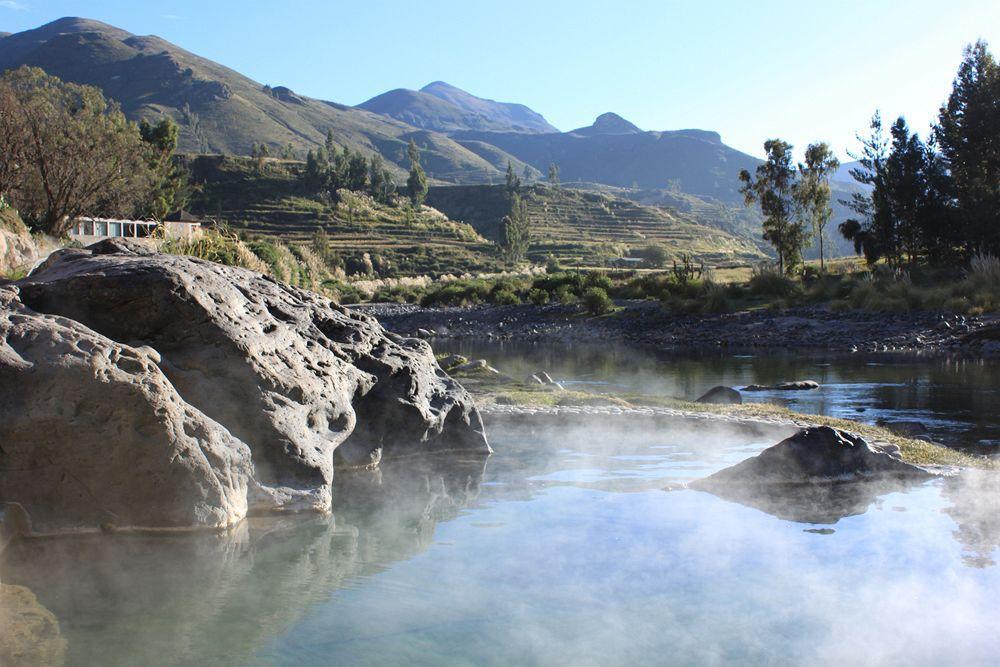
(609, 123)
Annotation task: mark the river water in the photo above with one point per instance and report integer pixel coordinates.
(571, 545)
(957, 399)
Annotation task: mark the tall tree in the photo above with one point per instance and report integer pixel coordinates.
(78, 153)
(380, 183)
(417, 182)
(772, 188)
(515, 234)
(553, 173)
(357, 173)
(513, 183)
(812, 192)
(968, 134)
(171, 184)
(872, 231)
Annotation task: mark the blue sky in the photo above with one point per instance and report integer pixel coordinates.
(750, 70)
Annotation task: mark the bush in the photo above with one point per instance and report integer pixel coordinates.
(767, 281)
(598, 280)
(597, 301)
(564, 294)
(505, 298)
(539, 297)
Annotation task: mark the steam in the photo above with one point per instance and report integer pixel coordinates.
(562, 548)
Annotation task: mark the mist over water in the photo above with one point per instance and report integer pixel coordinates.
(564, 547)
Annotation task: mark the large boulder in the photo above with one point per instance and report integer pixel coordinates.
(93, 434)
(17, 250)
(721, 395)
(818, 454)
(305, 383)
(819, 475)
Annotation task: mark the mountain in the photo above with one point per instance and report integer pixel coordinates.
(220, 110)
(608, 123)
(615, 152)
(444, 108)
(843, 173)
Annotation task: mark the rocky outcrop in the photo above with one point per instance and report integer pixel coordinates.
(17, 251)
(819, 475)
(30, 633)
(818, 454)
(721, 395)
(305, 384)
(798, 385)
(93, 434)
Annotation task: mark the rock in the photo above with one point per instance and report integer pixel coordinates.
(425, 333)
(306, 384)
(533, 379)
(453, 360)
(907, 429)
(94, 434)
(17, 250)
(478, 365)
(800, 385)
(30, 632)
(819, 454)
(545, 377)
(721, 395)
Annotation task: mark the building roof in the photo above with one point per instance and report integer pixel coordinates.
(181, 216)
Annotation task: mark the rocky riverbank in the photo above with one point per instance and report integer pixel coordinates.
(140, 390)
(645, 323)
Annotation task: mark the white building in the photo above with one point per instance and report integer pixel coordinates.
(180, 225)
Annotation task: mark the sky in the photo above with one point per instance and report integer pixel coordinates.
(751, 69)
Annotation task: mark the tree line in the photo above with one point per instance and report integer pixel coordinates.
(925, 202)
(67, 151)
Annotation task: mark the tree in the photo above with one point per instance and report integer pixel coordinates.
(380, 183)
(812, 192)
(526, 175)
(313, 175)
(329, 144)
(904, 213)
(357, 173)
(515, 237)
(171, 184)
(417, 182)
(76, 152)
(772, 189)
(968, 134)
(513, 183)
(554, 174)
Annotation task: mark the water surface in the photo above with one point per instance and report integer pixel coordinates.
(562, 548)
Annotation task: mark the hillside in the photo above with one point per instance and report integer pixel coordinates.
(444, 108)
(590, 228)
(614, 152)
(219, 110)
(273, 204)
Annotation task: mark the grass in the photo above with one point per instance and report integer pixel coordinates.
(914, 451)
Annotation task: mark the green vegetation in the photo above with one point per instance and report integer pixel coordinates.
(67, 151)
(416, 183)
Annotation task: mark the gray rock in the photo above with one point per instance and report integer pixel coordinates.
(453, 360)
(545, 377)
(94, 435)
(17, 251)
(818, 454)
(305, 383)
(721, 395)
(800, 385)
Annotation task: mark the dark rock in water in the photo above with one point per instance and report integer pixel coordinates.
(93, 433)
(721, 395)
(815, 455)
(800, 385)
(303, 382)
(907, 429)
(819, 475)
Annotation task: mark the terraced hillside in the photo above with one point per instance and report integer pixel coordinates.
(270, 202)
(589, 229)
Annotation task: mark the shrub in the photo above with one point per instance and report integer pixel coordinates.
(505, 298)
(598, 279)
(564, 294)
(539, 297)
(597, 301)
(985, 269)
(767, 281)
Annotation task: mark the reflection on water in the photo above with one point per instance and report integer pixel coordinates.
(562, 548)
(957, 399)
